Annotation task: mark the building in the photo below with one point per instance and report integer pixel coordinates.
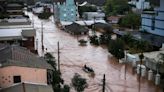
(17, 27)
(21, 37)
(93, 15)
(15, 9)
(67, 11)
(153, 20)
(76, 29)
(19, 65)
(93, 2)
(140, 4)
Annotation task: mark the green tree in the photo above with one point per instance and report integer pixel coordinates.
(50, 59)
(82, 9)
(105, 38)
(79, 83)
(128, 40)
(66, 88)
(57, 81)
(94, 40)
(131, 20)
(114, 7)
(116, 48)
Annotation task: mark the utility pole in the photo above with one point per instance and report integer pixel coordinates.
(103, 90)
(125, 63)
(53, 10)
(94, 29)
(58, 57)
(42, 37)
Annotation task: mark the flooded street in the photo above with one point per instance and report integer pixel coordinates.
(73, 57)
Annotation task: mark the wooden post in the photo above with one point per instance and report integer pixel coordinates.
(58, 57)
(125, 64)
(103, 90)
(42, 37)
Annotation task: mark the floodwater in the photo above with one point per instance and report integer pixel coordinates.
(73, 57)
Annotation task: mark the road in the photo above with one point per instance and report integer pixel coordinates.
(73, 57)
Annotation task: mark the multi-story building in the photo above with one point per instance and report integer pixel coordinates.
(67, 11)
(17, 27)
(153, 20)
(140, 4)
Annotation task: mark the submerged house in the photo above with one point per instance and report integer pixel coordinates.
(76, 29)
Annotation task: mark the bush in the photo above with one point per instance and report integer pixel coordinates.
(44, 15)
(94, 40)
(116, 48)
(131, 20)
(79, 83)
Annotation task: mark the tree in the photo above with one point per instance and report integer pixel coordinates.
(79, 83)
(114, 7)
(45, 14)
(116, 48)
(82, 9)
(105, 38)
(131, 20)
(57, 81)
(50, 59)
(94, 40)
(66, 88)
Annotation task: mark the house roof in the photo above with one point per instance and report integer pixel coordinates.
(114, 18)
(28, 87)
(155, 40)
(83, 23)
(106, 27)
(12, 55)
(76, 28)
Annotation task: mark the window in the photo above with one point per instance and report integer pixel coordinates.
(17, 79)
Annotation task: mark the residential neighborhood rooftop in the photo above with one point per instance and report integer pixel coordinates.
(12, 55)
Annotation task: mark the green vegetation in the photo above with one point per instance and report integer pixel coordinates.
(57, 81)
(82, 9)
(94, 40)
(114, 7)
(44, 15)
(116, 48)
(136, 46)
(3, 15)
(131, 20)
(105, 38)
(79, 83)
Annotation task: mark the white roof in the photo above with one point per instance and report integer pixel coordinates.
(88, 22)
(10, 32)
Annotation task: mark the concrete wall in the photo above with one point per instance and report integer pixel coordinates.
(33, 75)
(159, 20)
